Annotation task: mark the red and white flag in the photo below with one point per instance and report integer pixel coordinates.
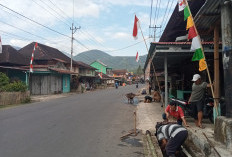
(137, 57)
(32, 57)
(100, 75)
(135, 29)
(182, 4)
(0, 45)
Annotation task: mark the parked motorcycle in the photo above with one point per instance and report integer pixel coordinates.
(207, 107)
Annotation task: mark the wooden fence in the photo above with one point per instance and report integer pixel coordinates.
(9, 98)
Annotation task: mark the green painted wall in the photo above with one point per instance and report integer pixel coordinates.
(17, 74)
(66, 83)
(99, 66)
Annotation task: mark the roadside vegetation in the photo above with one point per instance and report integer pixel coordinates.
(11, 86)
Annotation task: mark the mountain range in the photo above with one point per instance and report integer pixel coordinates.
(115, 62)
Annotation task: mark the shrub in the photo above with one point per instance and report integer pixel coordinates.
(15, 87)
(4, 80)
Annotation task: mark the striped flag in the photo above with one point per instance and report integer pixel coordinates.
(0, 45)
(135, 29)
(192, 34)
(32, 57)
(137, 57)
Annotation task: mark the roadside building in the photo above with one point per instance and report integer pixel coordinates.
(101, 67)
(11, 62)
(87, 75)
(172, 56)
(120, 75)
(51, 74)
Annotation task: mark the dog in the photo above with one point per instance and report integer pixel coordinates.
(156, 96)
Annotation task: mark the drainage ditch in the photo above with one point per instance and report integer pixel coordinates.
(152, 148)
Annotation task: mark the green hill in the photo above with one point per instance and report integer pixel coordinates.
(115, 62)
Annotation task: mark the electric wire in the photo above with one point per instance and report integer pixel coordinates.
(34, 21)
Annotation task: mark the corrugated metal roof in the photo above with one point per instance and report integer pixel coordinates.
(207, 16)
(176, 25)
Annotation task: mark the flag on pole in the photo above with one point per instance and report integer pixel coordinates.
(100, 74)
(135, 29)
(196, 46)
(0, 45)
(189, 23)
(202, 64)
(181, 5)
(32, 57)
(186, 12)
(137, 57)
(192, 32)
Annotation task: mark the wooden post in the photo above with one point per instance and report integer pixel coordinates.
(207, 69)
(151, 62)
(216, 65)
(135, 132)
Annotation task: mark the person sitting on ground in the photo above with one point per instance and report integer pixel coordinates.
(196, 98)
(172, 110)
(147, 99)
(170, 138)
(157, 96)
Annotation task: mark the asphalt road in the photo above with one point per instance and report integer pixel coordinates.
(81, 125)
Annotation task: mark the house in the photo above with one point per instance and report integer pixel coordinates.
(120, 75)
(103, 80)
(51, 72)
(101, 67)
(11, 62)
(87, 75)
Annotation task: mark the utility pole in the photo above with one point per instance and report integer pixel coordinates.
(226, 25)
(154, 30)
(73, 31)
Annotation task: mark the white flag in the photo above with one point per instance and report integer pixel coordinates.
(0, 45)
(181, 4)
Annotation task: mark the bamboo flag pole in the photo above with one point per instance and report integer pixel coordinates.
(210, 81)
(151, 63)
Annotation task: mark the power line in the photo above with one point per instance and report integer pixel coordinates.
(23, 30)
(35, 21)
(59, 9)
(55, 12)
(167, 19)
(157, 2)
(127, 46)
(164, 17)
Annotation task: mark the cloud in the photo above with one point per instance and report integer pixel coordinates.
(120, 35)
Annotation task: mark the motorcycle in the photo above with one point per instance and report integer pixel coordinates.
(208, 104)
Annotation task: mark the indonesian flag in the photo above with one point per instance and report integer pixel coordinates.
(0, 45)
(137, 57)
(135, 29)
(181, 4)
(32, 57)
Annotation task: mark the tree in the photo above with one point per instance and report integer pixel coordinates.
(139, 71)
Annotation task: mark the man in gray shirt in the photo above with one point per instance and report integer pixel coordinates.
(196, 98)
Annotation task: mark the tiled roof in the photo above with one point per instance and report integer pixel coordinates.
(11, 56)
(44, 53)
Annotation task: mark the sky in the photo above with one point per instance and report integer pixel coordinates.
(105, 25)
